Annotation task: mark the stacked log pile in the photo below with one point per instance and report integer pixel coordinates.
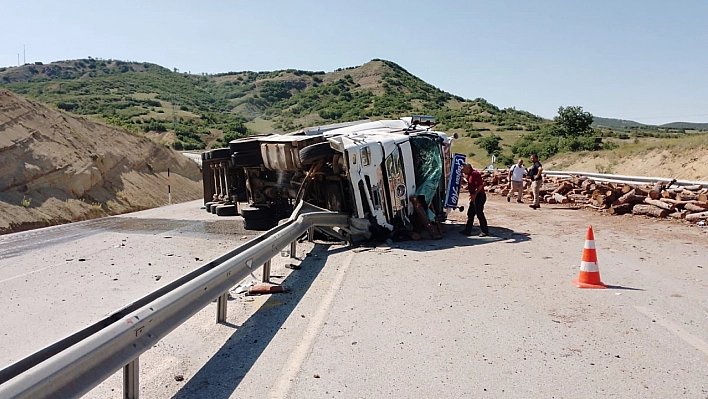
(659, 200)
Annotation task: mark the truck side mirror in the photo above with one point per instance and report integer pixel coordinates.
(454, 136)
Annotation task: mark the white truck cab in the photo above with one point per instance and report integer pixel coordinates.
(378, 172)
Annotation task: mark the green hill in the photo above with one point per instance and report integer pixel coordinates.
(627, 124)
(685, 126)
(198, 111)
(615, 123)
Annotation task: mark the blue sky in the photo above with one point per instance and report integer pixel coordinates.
(641, 60)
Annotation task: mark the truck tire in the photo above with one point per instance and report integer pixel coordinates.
(208, 205)
(226, 210)
(248, 144)
(220, 153)
(259, 224)
(254, 213)
(241, 158)
(315, 152)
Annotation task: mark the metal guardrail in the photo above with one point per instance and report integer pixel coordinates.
(623, 178)
(74, 365)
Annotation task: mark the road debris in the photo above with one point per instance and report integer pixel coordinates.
(261, 289)
(243, 287)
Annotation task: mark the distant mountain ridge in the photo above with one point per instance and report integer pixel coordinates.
(623, 123)
(189, 111)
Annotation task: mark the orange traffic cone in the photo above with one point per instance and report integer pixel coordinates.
(589, 272)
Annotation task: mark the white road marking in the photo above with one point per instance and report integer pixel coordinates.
(28, 273)
(299, 354)
(677, 330)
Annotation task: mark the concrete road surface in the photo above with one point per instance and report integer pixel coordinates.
(458, 317)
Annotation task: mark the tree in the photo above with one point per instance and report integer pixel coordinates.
(573, 122)
(490, 144)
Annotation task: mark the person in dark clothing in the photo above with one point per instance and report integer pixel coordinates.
(536, 175)
(478, 197)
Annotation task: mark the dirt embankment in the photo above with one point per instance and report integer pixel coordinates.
(683, 160)
(56, 168)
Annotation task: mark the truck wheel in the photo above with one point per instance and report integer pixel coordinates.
(248, 144)
(208, 205)
(220, 153)
(253, 213)
(315, 152)
(241, 158)
(226, 210)
(259, 224)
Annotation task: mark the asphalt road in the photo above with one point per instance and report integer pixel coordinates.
(458, 317)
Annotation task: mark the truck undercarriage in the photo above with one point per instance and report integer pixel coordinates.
(389, 176)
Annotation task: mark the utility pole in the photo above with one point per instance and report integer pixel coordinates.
(18, 59)
(24, 54)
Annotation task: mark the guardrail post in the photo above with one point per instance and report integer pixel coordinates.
(131, 381)
(266, 271)
(221, 307)
(293, 250)
(311, 233)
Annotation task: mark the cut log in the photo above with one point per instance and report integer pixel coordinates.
(696, 207)
(641, 191)
(630, 198)
(587, 183)
(578, 180)
(660, 204)
(694, 187)
(695, 217)
(687, 196)
(549, 199)
(620, 209)
(649, 210)
(655, 192)
(679, 214)
(564, 188)
(679, 204)
(627, 188)
(560, 198)
(578, 198)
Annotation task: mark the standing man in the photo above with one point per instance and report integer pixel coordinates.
(478, 197)
(535, 173)
(516, 177)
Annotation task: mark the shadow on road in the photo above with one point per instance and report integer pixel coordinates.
(452, 238)
(223, 373)
(619, 287)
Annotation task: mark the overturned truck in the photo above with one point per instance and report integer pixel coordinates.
(390, 176)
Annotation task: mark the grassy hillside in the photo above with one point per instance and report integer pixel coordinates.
(188, 111)
(209, 110)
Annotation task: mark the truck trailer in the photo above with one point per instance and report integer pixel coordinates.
(389, 176)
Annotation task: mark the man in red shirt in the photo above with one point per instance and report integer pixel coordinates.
(478, 197)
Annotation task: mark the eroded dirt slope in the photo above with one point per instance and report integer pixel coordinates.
(56, 168)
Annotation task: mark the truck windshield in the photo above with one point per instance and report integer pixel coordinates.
(428, 166)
